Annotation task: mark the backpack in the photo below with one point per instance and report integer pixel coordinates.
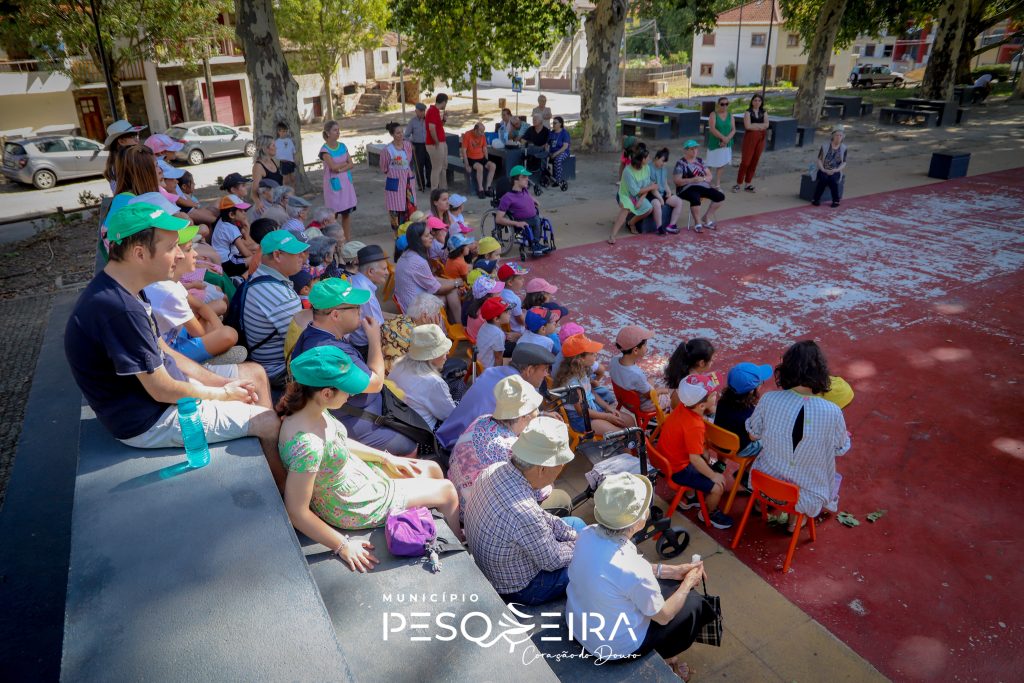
(233, 317)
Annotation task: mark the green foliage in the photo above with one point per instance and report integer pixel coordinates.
(463, 42)
(1001, 72)
(326, 30)
(131, 29)
(730, 71)
(861, 17)
(677, 21)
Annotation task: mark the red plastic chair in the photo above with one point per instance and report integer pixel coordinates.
(631, 400)
(782, 496)
(664, 465)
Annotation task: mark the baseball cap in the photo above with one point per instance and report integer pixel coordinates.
(232, 179)
(690, 143)
(134, 218)
(486, 265)
(282, 240)
(569, 330)
(456, 200)
(301, 279)
(526, 354)
(538, 317)
(544, 442)
(119, 128)
(745, 377)
(298, 202)
(421, 107)
(508, 271)
(485, 285)
(841, 393)
(553, 306)
(493, 308)
(169, 171)
(690, 394)
(540, 285)
(266, 183)
(518, 171)
(630, 336)
(622, 500)
(232, 202)
(580, 343)
(162, 143)
(488, 244)
(350, 251)
(473, 275)
(514, 397)
(329, 366)
(435, 223)
(334, 291)
(458, 241)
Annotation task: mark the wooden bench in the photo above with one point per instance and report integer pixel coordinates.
(805, 135)
(831, 111)
(893, 115)
(657, 130)
(373, 152)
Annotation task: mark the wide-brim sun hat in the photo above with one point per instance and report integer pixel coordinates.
(515, 397)
(119, 128)
(544, 442)
(428, 342)
(622, 500)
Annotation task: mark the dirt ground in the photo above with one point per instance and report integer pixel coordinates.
(881, 157)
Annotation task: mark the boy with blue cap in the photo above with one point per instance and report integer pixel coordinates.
(738, 402)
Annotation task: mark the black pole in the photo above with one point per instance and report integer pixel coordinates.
(103, 60)
(767, 52)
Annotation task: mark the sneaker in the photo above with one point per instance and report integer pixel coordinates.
(661, 231)
(835, 204)
(480, 194)
(689, 502)
(719, 519)
(536, 249)
(815, 203)
(672, 229)
(233, 356)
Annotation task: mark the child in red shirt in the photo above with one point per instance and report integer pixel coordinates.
(682, 440)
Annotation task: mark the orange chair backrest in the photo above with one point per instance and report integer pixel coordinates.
(722, 440)
(630, 400)
(659, 461)
(776, 489)
(398, 305)
(389, 284)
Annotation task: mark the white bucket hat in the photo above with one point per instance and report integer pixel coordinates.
(622, 500)
(428, 342)
(544, 442)
(119, 128)
(515, 397)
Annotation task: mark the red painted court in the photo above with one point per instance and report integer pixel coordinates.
(917, 298)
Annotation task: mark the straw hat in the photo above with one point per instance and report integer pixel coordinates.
(515, 397)
(428, 342)
(544, 442)
(622, 500)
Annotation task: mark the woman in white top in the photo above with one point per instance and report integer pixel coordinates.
(418, 374)
(614, 605)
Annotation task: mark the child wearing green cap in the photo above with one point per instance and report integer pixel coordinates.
(334, 483)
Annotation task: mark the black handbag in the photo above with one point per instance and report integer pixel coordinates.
(711, 632)
(397, 416)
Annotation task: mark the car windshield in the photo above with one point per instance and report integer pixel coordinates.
(176, 132)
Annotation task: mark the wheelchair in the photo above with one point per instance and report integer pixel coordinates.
(538, 161)
(508, 236)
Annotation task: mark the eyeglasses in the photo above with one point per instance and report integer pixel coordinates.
(723, 104)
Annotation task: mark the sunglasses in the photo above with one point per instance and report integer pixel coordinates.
(723, 104)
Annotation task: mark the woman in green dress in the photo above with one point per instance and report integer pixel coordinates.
(721, 131)
(634, 186)
(334, 482)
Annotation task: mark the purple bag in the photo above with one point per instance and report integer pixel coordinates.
(409, 532)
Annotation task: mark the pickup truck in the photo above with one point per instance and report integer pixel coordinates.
(868, 76)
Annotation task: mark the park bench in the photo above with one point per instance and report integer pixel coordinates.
(657, 130)
(373, 152)
(804, 135)
(807, 188)
(893, 115)
(867, 108)
(832, 111)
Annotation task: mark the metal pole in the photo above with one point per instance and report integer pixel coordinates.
(401, 75)
(103, 60)
(736, 67)
(208, 77)
(767, 52)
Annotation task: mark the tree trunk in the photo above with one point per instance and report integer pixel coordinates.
(599, 94)
(208, 77)
(476, 106)
(811, 96)
(329, 112)
(1018, 90)
(963, 62)
(940, 74)
(275, 95)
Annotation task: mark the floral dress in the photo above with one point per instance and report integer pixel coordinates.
(400, 183)
(347, 493)
(339, 192)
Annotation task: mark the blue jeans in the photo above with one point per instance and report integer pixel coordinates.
(751, 449)
(548, 585)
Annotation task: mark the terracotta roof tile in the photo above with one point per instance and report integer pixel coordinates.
(757, 12)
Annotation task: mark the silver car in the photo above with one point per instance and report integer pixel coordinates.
(204, 139)
(45, 160)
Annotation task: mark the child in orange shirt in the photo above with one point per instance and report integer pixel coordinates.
(457, 266)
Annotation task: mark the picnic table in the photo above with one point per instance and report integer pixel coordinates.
(849, 103)
(964, 92)
(683, 122)
(782, 131)
(946, 110)
(505, 158)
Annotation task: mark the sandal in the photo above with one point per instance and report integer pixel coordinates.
(735, 188)
(710, 225)
(697, 228)
(750, 188)
(610, 241)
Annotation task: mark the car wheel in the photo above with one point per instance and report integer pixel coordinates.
(250, 149)
(196, 157)
(865, 84)
(44, 179)
(899, 83)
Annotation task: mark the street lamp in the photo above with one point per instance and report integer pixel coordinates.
(739, 41)
(768, 49)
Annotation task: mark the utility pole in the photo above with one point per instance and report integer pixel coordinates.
(401, 75)
(767, 52)
(736, 68)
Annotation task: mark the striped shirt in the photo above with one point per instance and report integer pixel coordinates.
(269, 307)
(511, 537)
(812, 464)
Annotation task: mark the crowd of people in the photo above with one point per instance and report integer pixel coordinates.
(266, 297)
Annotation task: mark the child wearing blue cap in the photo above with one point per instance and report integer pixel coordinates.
(742, 391)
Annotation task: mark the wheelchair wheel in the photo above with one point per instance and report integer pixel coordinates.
(564, 186)
(504, 234)
(537, 191)
(672, 543)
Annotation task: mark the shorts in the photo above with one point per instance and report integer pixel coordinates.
(226, 370)
(345, 212)
(191, 347)
(691, 478)
(222, 421)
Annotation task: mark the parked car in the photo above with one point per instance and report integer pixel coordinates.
(204, 140)
(44, 161)
(868, 76)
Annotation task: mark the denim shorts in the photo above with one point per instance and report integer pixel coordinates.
(693, 479)
(191, 347)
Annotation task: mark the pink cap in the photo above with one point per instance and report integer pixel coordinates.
(540, 285)
(568, 330)
(465, 229)
(435, 223)
(162, 143)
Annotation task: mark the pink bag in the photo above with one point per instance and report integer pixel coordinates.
(409, 532)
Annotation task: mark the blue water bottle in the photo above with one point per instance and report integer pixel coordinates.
(192, 433)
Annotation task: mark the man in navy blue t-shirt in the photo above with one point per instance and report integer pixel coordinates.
(129, 376)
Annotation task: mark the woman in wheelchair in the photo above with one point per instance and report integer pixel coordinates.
(520, 211)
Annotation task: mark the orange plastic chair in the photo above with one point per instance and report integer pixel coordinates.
(389, 284)
(782, 496)
(727, 445)
(457, 333)
(664, 465)
(398, 306)
(630, 400)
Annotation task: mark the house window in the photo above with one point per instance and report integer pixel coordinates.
(887, 50)
(831, 70)
(384, 56)
(708, 40)
(869, 50)
(758, 39)
(707, 69)
(793, 40)
(344, 61)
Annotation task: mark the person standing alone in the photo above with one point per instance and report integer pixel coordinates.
(437, 145)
